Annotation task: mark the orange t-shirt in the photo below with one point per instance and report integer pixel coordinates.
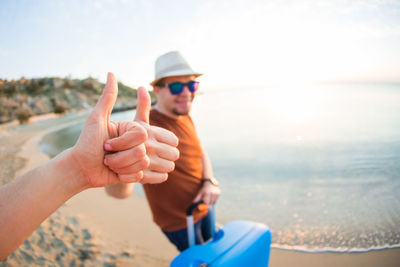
(169, 200)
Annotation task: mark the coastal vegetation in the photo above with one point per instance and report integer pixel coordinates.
(23, 98)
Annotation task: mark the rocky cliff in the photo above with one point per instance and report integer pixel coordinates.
(23, 98)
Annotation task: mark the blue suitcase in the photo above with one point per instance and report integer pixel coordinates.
(238, 243)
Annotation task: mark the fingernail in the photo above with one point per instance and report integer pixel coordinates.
(107, 146)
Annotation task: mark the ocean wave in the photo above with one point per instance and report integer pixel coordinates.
(331, 249)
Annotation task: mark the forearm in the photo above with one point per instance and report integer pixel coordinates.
(120, 190)
(31, 198)
(210, 191)
(207, 166)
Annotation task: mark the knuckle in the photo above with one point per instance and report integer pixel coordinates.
(144, 181)
(113, 143)
(135, 124)
(144, 163)
(140, 176)
(139, 151)
(145, 177)
(141, 133)
(142, 150)
(149, 146)
(132, 178)
(111, 160)
(144, 132)
(147, 160)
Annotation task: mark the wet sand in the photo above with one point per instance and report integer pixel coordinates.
(93, 229)
(380, 258)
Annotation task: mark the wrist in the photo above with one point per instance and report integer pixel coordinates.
(210, 180)
(69, 169)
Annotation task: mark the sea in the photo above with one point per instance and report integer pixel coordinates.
(318, 164)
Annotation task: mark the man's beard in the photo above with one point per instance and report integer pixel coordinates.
(176, 112)
(185, 112)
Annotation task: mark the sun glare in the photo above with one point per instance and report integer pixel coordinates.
(295, 104)
(286, 46)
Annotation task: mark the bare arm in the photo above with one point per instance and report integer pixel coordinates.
(209, 193)
(29, 199)
(207, 166)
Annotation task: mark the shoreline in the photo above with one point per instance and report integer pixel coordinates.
(124, 229)
(332, 250)
(378, 258)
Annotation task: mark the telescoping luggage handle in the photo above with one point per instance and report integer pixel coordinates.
(190, 224)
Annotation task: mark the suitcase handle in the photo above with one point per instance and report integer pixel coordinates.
(190, 224)
(189, 211)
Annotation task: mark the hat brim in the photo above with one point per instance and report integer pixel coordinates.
(175, 73)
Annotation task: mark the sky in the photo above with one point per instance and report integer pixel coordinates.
(235, 43)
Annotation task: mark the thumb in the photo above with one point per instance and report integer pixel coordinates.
(107, 99)
(143, 105)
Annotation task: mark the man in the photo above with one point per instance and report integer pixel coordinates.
(192, 180)
(29, 199)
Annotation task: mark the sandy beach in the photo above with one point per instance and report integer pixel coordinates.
(94, 229)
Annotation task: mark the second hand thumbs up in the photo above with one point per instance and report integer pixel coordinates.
(160, 145)
(159, 149)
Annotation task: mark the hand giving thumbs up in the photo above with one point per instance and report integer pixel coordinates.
(125, 139)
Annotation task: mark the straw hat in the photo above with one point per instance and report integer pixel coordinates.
(172, 64)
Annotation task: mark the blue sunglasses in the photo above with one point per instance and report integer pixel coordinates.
(177, 87)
